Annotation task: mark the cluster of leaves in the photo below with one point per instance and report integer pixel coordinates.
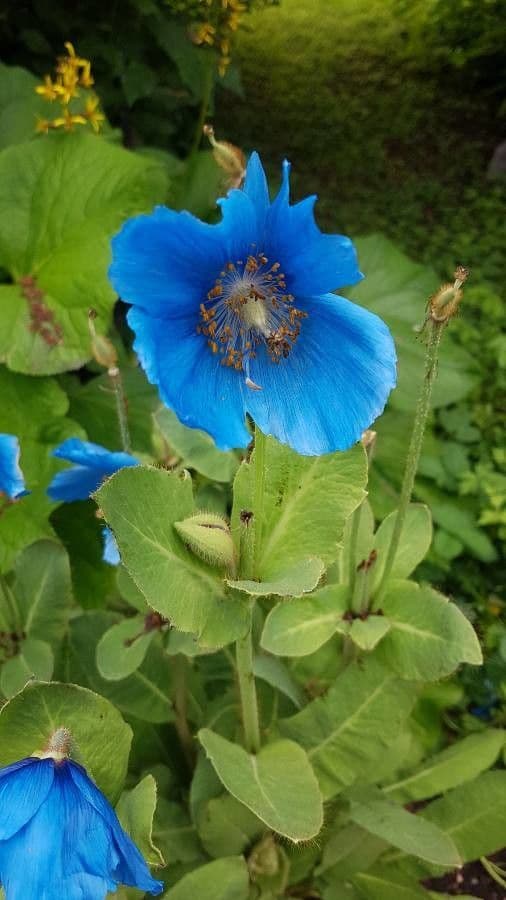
(357, 791)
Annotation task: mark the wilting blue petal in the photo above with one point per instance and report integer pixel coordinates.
(111, 553)
(11, 477)
(334, 383)
(203, 393)
(130, 867)
(23, 787)
(94, 464)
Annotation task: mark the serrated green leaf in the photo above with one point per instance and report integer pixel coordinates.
(136, 811)
(141, 511)
(429, 636)
(405, 830)
(455, 765)
(367, 633)
(277, 784)
(33, 661)
(222, 879)
(301, 578)
(195, 448)
(357, 720)
(43, 592)
(31, 717)
(298, 627)
(415, 541)
(61, 199)
(306, 501)
(122, 648)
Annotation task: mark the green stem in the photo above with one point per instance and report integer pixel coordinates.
(352, 549)
(207, 91)
(247, 688)
(415, 447)
(180, 704)
(251, 537)
(121, 407)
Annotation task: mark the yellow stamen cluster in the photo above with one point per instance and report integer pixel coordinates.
(71, 73)
(217, 30)
(249, 305)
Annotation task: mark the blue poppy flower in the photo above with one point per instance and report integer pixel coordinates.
(111, 553)
(93, 464)
(237, 318)
(59, 836)
(12, 482)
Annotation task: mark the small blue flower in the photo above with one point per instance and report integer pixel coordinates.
(59, 836)
(111, 553)
(237, 318)
(12, 482)
(93, 464)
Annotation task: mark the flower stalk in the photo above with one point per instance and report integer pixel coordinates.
(121, 407)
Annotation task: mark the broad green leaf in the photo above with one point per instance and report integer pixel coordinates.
(274, 672)
(473, 815)
(136, 810)
(367, 633)
(348, 729)
(19, 105)
(130, 592)
(405, 830)
(122, 648)
(195, 448)
(413, 547)
(429, 636)
(31, 717)
(350, 849)
(61, 199)
(222, 879)
(299, 579)
(455, 765)
(298, 627)
(93, 405)
(306, 501)
(141, 505)
(34, 410)
(397, 290)
(277, 784)
(34, 661)
(175, 834)
(227, 827)
(43, 591)
(386, 883)
(144, 694)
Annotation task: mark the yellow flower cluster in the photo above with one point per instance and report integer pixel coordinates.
(222, 20)
(72, 71)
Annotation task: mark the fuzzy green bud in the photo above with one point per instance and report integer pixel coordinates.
(208, 536)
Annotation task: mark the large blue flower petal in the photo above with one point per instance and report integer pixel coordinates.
(334, 383)
(77, 483)
(313, 263)
(85, 453)
(191, 380)
(23, 787)
(11, 477)
(131, 868)
(166, 262)
(255, 187)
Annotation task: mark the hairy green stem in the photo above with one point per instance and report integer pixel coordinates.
(247, 688)
(258, 496)
(415, 447)
(180, 704)
(207, 92)
(121, 407)
(352, 550)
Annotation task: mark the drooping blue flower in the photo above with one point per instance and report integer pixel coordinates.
(93, 464)
(12, 482)
(111, 554)
(60, 839)
(237, 318)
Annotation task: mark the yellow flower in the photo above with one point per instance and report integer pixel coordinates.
(93, 114)
(68, 120)
(86, 78)
(204, 34)
(73, 59)
(48, 89)
(42, 126)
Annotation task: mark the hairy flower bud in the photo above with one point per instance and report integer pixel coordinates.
(209, 537)
(229, 157)
(446, 301)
